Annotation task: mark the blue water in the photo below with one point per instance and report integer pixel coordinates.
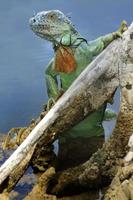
(23, 56)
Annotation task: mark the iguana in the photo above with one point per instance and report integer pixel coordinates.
(72, 55)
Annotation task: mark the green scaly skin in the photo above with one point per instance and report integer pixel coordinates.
(54, 26)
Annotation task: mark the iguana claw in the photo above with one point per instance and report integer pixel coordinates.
(50, 103)
(123, 27)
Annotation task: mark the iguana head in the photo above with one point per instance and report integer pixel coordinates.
(51, 25)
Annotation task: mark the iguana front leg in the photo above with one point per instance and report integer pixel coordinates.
(51, 81)
(52, 85)
(107, 39)
(98, 45)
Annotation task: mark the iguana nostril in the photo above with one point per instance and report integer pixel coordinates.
(34, 20)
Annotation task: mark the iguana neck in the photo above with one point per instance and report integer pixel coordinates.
(68, 40)
(65, 47)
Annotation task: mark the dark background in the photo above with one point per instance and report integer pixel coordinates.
(23, 56)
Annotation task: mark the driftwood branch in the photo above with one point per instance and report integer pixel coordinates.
(129, 156)
(17, 173)
(91, 89)
(104, 164)
(122, 185)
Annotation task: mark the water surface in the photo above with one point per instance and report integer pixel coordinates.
(24, 57)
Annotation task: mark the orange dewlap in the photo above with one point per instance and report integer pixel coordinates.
(64, 60)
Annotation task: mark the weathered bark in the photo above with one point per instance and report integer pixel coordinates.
(91, 89)
(4, 196)
(122, 185)
(39, 190)
(104, 164)
(129, 156)
(16, 174)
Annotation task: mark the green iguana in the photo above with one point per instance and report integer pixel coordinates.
(72, 55)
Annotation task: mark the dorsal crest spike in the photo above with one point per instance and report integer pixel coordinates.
(34, 13)
(69, 15)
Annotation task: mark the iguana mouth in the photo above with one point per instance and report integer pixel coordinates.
(42, 30)
(40, 34)
(40, 27)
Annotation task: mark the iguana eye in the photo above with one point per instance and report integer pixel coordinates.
(51, 16)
